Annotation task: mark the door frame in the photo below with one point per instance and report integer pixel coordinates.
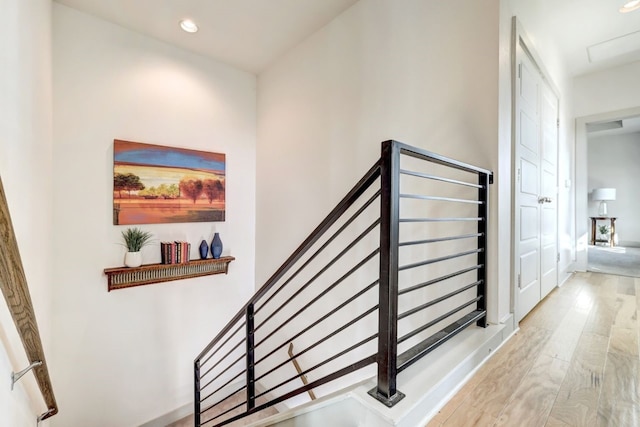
(519, 37)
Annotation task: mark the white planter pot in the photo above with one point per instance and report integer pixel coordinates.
(133, 259)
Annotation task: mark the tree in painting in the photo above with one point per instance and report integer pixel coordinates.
(126, 182)
(191, 188)
(213, 189)
(163, 190)
(169, 191)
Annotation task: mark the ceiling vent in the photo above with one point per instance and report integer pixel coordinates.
(597, 127)
(615, 47)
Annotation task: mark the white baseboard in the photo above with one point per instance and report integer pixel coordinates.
(566, 276)
(629, 244)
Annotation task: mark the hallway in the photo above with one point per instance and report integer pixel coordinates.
(574, 362)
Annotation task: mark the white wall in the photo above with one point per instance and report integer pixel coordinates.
(532, 17)
(608, 90)
(125, 357)
(421, 72)
(613, 163)
(17, 408)
(25, 168)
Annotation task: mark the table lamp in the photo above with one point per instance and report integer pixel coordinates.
(603, 195)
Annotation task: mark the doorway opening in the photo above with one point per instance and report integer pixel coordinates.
(613, 155)
(607, 158)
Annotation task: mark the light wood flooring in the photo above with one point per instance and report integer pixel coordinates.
(574, 362)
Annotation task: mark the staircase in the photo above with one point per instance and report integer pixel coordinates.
(234, 401)
(393, 272)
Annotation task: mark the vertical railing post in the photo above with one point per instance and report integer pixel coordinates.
(251, 374)
(483, 227)
(196, 393)
(386, 391)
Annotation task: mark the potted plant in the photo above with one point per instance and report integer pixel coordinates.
(604, 230)
(134, 240)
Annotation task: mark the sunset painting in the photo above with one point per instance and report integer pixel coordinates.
(155, 184)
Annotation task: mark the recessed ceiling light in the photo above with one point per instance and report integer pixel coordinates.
(630, 6)
(190, 27)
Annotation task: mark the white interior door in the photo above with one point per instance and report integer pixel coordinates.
(536, 152)
(549, 183)
(527, 226)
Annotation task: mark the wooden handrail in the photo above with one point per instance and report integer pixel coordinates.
(13, 284)
(303, 377)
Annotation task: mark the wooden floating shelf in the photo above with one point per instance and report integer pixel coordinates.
(126, 277)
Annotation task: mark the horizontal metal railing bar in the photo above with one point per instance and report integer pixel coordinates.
(438, 279)
(317, 343)
(352, 196)
(224, 357)
(242, 356)
(202, 411)
(231, 335)
(323, 318)
(439, 259)
(440, 199)
(412, 355)
(441, 239)
(440, 219)
(303, 389)
(419, 153)
(318, 365)
(437, 320)
(323, 247)
(323, 293)
(320, 273)
(439, 178)
(438, 300)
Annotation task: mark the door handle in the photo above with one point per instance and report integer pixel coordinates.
(542, 200)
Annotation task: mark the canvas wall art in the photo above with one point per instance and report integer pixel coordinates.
(155, 184)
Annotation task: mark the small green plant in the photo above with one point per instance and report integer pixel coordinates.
(135, 239)
(604, 229)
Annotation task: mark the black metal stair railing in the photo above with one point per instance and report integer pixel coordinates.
(396, 269)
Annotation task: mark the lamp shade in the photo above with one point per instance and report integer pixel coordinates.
(604, 194)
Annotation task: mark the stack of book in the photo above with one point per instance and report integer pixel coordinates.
(175, 252)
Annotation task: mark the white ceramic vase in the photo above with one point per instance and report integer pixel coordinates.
(133, 259)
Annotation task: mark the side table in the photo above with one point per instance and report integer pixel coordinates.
(612, 229)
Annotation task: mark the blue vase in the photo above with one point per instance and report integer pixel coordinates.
(216, 246)
(204, 249)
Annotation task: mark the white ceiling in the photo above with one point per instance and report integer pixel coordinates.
(250, 34)
(577, 24)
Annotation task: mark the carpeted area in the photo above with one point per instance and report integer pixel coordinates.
(617, 260)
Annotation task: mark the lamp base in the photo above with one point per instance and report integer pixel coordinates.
(602, 209)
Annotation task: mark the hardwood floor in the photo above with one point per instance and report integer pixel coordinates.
(575, 362)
